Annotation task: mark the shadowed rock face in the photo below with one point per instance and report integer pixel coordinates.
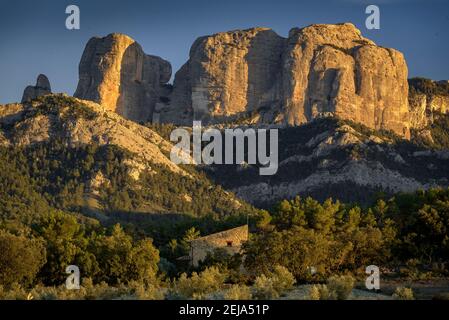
(317, 71)
(116, 73)
(41, 88)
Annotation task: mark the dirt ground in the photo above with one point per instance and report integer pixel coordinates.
(422, 289)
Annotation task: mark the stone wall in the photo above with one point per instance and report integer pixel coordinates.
(229, 240)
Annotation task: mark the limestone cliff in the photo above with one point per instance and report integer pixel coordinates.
(332, 69)
(426, 98)
(317, 71)
(230, 73)
(116, 73)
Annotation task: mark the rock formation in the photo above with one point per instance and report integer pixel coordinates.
(426, 98)
(22, 127)
(116, 73)
(41, 88)
(319, 70)
(229, 74)
(326, 158)
(332, 69)
(254, 75)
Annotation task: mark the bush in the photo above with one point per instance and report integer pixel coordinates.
(89, 291)
(140, 291)
(403, 294)
(274, 285)
(283, 279)
(198, 286)
(337, 288)
(428, 87)
(264, 288)
(15, 292)
(320, 292)
(411, 269)
(238, 292)
(224, 261)
(341, 286)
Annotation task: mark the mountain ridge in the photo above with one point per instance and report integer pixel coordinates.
(331, 73)
(108, 162)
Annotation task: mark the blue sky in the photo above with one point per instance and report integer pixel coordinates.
(34, 38)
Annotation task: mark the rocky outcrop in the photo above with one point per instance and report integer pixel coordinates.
(116, 73)
(23, 126)
(332, 69)
(423, 108)
(427, 98)
(318, 71)
(330, 158)
(41, 88)
(229, 74)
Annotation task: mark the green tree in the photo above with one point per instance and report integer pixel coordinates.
(190, 235)
(121, 260)
(20, 260)
(65, 244)
(143, 261)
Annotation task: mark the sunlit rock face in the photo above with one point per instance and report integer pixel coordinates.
(116, 73)
(423, 108)
(332, 69)
(228, 74)
(317, 71)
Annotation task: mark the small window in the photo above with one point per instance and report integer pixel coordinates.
(229, 243)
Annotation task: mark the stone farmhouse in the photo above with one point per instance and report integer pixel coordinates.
(229, 240)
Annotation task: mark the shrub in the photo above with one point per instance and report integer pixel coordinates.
(238, 292)
(428, 87)
(411, 269)
(320, 292)
(15, 292)
(223, 260)
(275, 284)
(283, 280)
(340, 286)
(198, 286)
(402, 293)
(88, 291)
(140, 291)
(264, 288)
(337, 288)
